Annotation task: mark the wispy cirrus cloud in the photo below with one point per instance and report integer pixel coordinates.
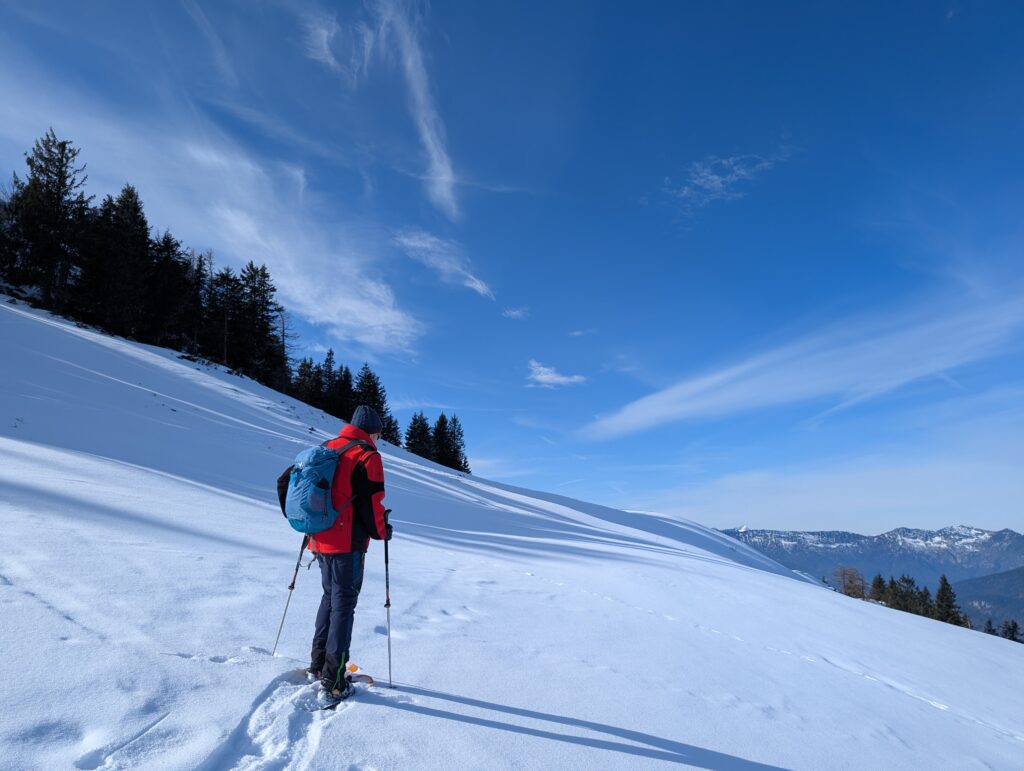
(443, 256)
(847, 363)
(346, 51)
(217, 49)
(719, 179)
(548, 377)
(392, 29)
(215, 194)
(519, 314)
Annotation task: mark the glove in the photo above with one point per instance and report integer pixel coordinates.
(389, 531)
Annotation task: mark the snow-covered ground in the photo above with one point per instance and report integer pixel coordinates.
(144, 566)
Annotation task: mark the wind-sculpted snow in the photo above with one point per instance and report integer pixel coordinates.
(144, 569)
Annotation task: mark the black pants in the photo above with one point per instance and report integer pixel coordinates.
(342, 578)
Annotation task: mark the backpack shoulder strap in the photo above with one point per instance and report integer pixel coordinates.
(351, 443)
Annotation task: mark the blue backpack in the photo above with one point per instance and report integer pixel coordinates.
(307, 502)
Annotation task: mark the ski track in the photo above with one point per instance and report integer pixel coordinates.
(104, 757)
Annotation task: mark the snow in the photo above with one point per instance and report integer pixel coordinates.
(144, 568)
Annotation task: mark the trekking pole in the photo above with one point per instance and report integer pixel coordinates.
(387, 606)
(291, 588)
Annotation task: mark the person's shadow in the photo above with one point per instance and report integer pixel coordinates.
(646, 745)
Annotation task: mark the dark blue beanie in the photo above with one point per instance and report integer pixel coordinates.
(367, 419)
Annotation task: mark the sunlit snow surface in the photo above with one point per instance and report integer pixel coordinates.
(144, 566)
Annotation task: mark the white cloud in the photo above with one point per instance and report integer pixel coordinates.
(220, 54)
(326, 40)
(407, 403)
(848, 363)
(213, 194)
(320, 33)
(581, 332)
(444, 257)
(549, 377)
(395, 31)
(719, 179)
(519, 314)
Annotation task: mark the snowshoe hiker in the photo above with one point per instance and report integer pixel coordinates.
(341, 549)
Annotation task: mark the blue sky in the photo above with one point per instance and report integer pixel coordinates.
(747, 263)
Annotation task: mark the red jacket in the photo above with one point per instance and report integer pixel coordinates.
(360, 473)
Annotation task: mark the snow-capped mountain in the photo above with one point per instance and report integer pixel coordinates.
(144, 566)
(959, 552)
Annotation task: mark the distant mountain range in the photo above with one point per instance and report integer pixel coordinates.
(960, 552)
(999, 597)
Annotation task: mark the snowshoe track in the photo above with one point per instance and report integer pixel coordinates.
(281, 729)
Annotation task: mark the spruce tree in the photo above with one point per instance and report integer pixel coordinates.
(330, 384)
(128, 255)
(264, 358)
(440, 441)
(989, 627)
(221, 336)
(95, 260)
(7, 253)
(877, 592)
(303, 385)
(1010, 630)
(904, 594)
(370, 391)
(46, 214)
(946, 608)
(460, 462)
(346, 394)
(417, 436)
(925, 605)
(391, 431)
(169, 295)
(317, 388)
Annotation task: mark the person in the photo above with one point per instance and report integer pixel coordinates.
(357, 493)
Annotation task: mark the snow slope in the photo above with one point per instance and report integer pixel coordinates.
(144, 565)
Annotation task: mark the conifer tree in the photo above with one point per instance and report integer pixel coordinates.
(1010, 629)
(346, 393)
(46, 214)
(370, 391)
(317, 387)
(417, 436)
(460, 462)
(989, 627)
(303, 385)
(262, 356)
(169, 295)
(924, 605)
(7, 254)
(131, 251)
(392, 431)
(221, 340)
(877, 592)
(946, 608)
(330, 383)
(441, 442)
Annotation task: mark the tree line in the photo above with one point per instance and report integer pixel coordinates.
(904, 594)
(104, 266)
(333, 389)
